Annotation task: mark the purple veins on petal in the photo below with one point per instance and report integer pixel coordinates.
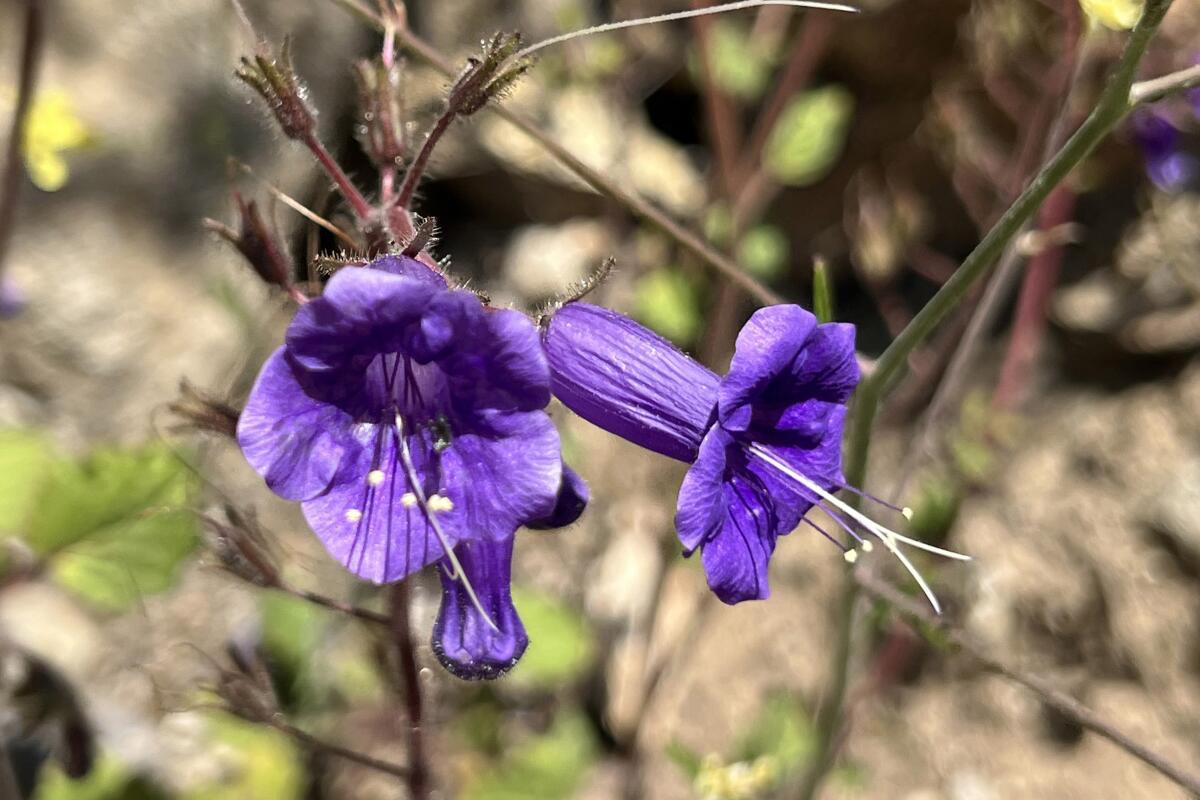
(764, 442)
(628, 380)
(407, 419)
(484, 641)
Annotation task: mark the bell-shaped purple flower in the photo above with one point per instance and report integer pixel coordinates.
(764, 442)
(407, 419)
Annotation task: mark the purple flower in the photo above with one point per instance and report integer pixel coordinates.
(12, 299)
(764, 442)
(1167, 165)
(408, 420)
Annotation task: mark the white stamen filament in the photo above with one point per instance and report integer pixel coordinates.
(695, 12)
(886, 535)
(456, 571)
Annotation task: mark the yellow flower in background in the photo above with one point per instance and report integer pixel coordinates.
(1117, 15)
(51, 131)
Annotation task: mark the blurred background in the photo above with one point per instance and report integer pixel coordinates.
(1050, 428)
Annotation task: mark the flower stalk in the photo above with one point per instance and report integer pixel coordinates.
(1114, 104)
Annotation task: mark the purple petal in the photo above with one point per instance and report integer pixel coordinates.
(407, 267)
(572, 500)
(737, 556)
(628, 380)
(298, 445)
(369, 527)
(829, 366)
(504, 368)
(503, 474)
(766, 347)
(701, 505)
(463, 641)
(362, 313)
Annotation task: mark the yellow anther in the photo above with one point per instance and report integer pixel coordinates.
(375, 477)
(851, 556)
(868, 546)
(353, 515)
(907, 512)
(408, 500)
(440, 503)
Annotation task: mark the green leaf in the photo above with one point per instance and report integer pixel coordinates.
(764, 251)
(267, 764)
(26, 458)
(685, 758)
(547, 767)
(561, 645)
(113, 528)
(667, 302)
(117, 565)
(738, 67)
(809, 136)
(822, 291)
(107, 780)
(781, 731)
(110, 488)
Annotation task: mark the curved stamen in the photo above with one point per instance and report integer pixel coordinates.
(456, 571)
(886, 535)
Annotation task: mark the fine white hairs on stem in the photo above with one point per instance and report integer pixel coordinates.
(695, 12)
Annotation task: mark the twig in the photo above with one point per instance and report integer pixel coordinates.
(418, 769)
(1155, 89)
(32, 36)
(416, 169)
(364, 614)
(1063, 703)
(358, 203)
(601, 183)
(322, 746)
(1110, 109)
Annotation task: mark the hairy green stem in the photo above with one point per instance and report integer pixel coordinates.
(1113, 105)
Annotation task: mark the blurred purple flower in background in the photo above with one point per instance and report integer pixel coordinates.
(764, 442)
(408, 420)
(12, 299)
(1167, 165)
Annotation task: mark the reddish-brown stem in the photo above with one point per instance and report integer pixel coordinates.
(806, 55)
(416, 170)
(418, 769)
(358, 203)
(10, 183)
(1029, 324)
(321, 746)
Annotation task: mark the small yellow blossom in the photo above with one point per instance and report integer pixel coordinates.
(51, 130)
(1118, 15)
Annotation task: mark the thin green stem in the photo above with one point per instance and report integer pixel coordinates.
(1114, 104)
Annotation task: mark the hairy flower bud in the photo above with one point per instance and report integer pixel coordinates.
(257, 242)
(274, 78)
